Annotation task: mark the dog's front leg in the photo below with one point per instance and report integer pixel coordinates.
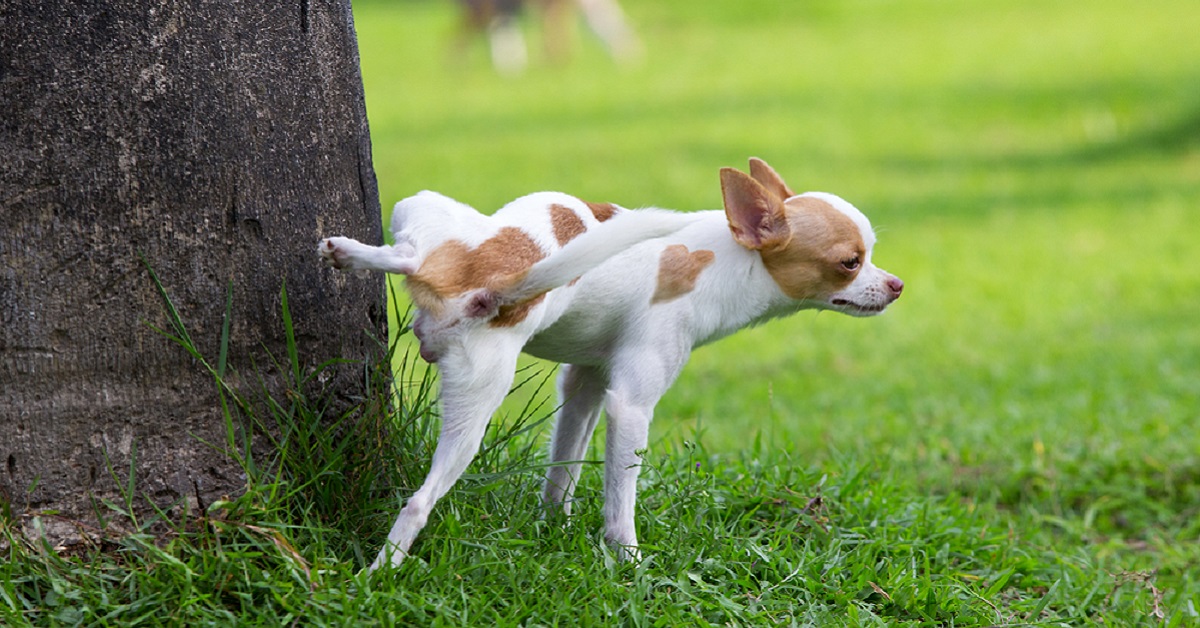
(638, 380)
(581, 392)
(627, 432)
(474, 383)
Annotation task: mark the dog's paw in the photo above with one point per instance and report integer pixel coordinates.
(627, 553)
(623, 546)
(335, 252)
(390, 555)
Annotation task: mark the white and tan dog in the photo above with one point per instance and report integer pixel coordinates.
(619, 297)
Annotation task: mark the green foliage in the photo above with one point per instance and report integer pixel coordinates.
(1014, 443)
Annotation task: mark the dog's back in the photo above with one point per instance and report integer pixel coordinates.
(532, 245)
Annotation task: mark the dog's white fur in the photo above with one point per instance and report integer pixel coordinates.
(619, 297)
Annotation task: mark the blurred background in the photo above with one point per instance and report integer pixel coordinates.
(1032, 168)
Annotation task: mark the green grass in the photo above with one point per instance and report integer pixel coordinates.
(1014, 442)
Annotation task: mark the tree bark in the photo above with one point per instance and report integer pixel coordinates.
(218, 139)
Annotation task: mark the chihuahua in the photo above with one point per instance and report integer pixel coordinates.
(619, 297)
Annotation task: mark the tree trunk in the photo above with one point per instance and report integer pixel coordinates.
(217, 140)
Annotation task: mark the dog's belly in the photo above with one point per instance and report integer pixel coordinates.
(576, 339)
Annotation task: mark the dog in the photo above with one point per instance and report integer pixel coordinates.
(619, 297)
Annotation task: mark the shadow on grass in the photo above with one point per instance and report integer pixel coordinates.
(1114, 169)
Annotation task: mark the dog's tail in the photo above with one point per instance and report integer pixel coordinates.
(593, 247)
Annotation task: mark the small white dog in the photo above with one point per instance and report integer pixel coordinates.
(619, 297)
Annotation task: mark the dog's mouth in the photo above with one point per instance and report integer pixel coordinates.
(858, 309)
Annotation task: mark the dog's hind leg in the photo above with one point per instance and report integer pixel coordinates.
(581, 392)
(473, 385)
(350, 254)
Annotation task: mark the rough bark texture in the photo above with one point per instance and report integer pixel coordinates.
(216, 139)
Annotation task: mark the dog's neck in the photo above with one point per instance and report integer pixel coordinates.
(719, 311)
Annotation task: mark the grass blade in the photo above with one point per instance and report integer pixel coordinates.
(290, 334)
(225, 324)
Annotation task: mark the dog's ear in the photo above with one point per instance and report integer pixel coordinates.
(766, 175)
(756, 215)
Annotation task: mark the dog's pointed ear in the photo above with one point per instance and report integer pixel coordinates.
(769, 179)
(756, 215)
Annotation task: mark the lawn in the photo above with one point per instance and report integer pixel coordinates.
(1015, 441)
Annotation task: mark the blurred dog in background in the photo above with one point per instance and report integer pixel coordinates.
(499, 21)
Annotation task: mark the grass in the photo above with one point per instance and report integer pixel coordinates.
(1014, 443)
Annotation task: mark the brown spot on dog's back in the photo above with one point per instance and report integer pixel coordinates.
(602, 211)
(678, 269)
(566, 223)
(452, 268)
(807, 264)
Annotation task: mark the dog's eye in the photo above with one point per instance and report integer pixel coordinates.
(851, 264)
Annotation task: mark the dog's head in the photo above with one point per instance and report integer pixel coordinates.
(816, 246)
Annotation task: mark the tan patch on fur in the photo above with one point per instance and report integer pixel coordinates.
(677, 271)
(423, 295)
(453, 269)
(602, 211)
(510, 315)
(808, 264)
(566, 223)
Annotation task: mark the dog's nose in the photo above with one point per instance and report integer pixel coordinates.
(895, 286)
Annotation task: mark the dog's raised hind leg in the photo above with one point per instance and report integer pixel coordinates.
(350, 254)
(473, 385)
